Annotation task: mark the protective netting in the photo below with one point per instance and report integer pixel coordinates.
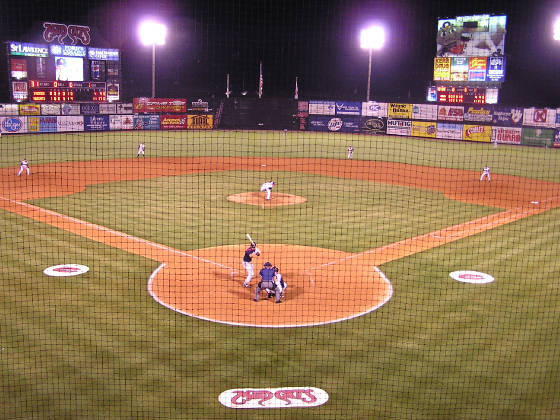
(415, 286)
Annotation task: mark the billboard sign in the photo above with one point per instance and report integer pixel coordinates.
(509, 135)
(450, 113)
(13, 125)
(200, 122)
(96, 122)
(459, 69)
(374, 125)
(67, 50)
(70, 123)
(423, 129)
(496, 69)
(452, 131)
(481, 133)
(502, 115)
(471, 36)
(42, 124)
(104, 54)
(478, 114)
(424, 112)
(146, 122)
(543, 137)
(121, 122)
(396, 110)
(335, 124)
(442, 69)
(160, 105)
(374, 109)
(399, 127)
(173, 122)
(322, 107)
(29, 50)
(477, 69)
(348, 108)
(539, 117)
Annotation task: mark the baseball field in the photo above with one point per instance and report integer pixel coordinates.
(160, 325)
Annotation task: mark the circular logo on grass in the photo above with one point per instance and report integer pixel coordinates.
(65, 270)
(467, 276)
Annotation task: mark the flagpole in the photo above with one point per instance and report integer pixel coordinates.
(260, 80)
(228, 92)
(296, 93)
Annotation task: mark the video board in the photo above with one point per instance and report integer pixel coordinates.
(59, 73)
(471, 49)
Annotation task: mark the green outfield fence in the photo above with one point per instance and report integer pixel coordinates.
(416, 287)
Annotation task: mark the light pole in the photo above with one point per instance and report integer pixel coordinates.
(556, 34)
(152, 33)
(371, 38)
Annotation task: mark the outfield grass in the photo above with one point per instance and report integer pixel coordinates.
(98, 346)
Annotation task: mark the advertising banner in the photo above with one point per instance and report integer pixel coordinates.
(509, 135)
(442, 68)
(173, 122)
(96, 122)
(424, 112)
(348, 108)
(42, 124)
(450, 113)
(121, 122)
(509, 116)
(396, 110)
(335, 124)
(543, 137)
(13, 125)
(107, 108)
(481, 133)
(125, 109)
(556, 138)
(477, 69)
(303, 106)
(496, 69)
(9, 109)
(374, 109)
(322, 108)
(374, 125)
(399, 127)
(50, 109)
(160, 105)
(89, 109)
(70, 123)
(29, 109)
(70, 109)
(199, 106)
(539, 117)
(200, 122)
(459, 69)
(29, 50)
(478, 113)
(146, 122)
(452, 131)
(423, 129)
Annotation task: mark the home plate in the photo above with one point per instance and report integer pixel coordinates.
(534, 202)
(263, 164)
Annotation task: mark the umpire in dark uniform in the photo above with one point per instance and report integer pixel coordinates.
(267, 282)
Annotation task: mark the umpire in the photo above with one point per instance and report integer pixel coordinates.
(267, 275)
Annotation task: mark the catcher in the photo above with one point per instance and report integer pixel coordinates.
(267, 282)
(248, 262)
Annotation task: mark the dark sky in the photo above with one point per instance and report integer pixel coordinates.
(315, 40)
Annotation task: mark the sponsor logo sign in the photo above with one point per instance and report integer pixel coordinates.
(125, 109)
(89, 109)
(424, 112)
(459, 69)
(96, 122)
(399, 127)
(29, 109)
(176, 105)
(200, 122)
(467, 276)
(70, 123)
(173, 122)
(510, 135)
(374, 109)
(66, 270)
(67, 50)
(146, 122)
(507, 116)
(70, 109)
(29, 50)
(496, 69)
(396, 110)
(423, 129)
(477, 69)
(450, 113)
(478, 114)
(321, 108)
(481, 133)
(348, 108)
(50, 109)
(13, 125)
(121, 122)
(107, 108)
(537, 137)
(9, 109)
(42, 124)
(539, 117)
(199, 106)
(452, 131)
(103, 54)
(556, 138)
(288, 397)
(374, 125)
(442, 68)
(335, 124)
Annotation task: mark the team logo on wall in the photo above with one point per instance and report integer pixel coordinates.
(288, 397)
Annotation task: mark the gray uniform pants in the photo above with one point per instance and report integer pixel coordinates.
(267, 284)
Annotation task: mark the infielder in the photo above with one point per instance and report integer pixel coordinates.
(141, 150)
(350, 152)
(267, 186)
(267, 282)
(281, 285)
(23, 166)
(486, 174)
(248, 264)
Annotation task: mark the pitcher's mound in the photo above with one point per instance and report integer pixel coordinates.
(259, 199)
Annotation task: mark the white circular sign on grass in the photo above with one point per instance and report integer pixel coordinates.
(467, 276)
(65, 270)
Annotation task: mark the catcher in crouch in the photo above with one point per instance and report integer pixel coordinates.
(267, 282)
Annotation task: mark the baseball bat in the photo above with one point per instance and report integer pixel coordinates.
(249, 237)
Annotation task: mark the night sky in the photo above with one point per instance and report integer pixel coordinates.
(315, 40)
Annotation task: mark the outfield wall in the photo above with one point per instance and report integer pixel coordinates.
(478, 123)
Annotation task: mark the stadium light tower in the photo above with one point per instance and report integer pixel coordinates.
(371, 38)
(152, 33)
(556, 29)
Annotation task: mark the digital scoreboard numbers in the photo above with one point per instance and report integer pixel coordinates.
(461, 95)
(60, 92)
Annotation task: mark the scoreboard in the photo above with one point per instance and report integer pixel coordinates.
(60, 91)
(461, 95)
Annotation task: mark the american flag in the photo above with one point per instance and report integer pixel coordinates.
(260, 81)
